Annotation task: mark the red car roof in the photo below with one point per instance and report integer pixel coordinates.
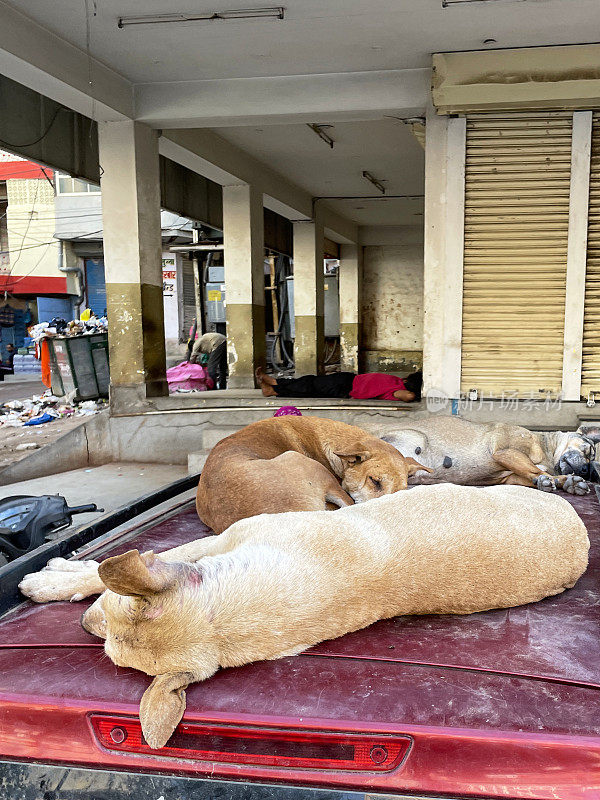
(489, 678)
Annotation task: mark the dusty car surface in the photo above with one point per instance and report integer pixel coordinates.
(499, 704)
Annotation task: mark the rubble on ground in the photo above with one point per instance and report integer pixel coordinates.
(40, 409)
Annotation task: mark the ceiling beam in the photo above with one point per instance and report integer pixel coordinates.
(282, 99)
(202, 151)
(37, 58)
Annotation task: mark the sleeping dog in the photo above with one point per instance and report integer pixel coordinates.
(296, 464)
(485, 454)
(275, 584)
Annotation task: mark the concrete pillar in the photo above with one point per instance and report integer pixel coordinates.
(132, 259)
(243, 238)
(350, 288)
(309, 345)
(444, 252)
(576, 254)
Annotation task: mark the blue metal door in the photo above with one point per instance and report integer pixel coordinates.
(95, 286)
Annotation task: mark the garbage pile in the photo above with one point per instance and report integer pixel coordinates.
(87, 325)
(46, 407)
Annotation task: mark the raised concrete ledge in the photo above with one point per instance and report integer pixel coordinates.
(169, 435)
(252, 398)
(191, 425)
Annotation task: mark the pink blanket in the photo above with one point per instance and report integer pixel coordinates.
(188, 376)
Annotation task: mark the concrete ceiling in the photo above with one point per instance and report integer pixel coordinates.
(386, 148)
(349, 63)
(316, 36)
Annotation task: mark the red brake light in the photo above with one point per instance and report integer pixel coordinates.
(259, 746)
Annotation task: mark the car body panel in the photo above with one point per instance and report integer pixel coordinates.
(499, 704)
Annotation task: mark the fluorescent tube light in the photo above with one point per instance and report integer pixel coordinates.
(319, 130)
(448, 3)
(378, 184)
(275, 12)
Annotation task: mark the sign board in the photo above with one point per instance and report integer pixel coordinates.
(170, 295)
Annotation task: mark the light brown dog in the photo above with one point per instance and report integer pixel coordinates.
(273, 585)
(293, 464)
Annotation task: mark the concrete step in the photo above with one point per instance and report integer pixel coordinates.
(196, 461)
(213, 434)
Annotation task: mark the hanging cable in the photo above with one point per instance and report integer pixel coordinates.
(88, 45)
(31, 213)
(281, 283)
(12, 145)
(20, 278)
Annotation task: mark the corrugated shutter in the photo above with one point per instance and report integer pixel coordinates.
(517, 180)
(590, 368)
(189, 294)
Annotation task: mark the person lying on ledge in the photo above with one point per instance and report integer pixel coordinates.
(370, 385)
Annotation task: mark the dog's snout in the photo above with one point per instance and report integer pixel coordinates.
(573, 462)
(82, 622)
(93, 620)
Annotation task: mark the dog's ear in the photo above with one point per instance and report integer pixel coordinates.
(135, 575)
(162, 707)
(352, 455)
(414, 466)
(590, 432)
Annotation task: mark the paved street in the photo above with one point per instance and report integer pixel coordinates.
(14, 388)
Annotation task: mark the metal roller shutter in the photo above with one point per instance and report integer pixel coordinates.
(189, 295)
(517, 179)
(590, 368)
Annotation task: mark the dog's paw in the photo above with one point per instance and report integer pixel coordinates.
(62, 565)
(62, 580)
(545, 483)
(575, 484)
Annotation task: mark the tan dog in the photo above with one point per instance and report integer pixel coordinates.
(292, 464)
(273, 585)
(464, 452)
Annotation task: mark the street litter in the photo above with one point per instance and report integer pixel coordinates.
(40, 420)
(46, 408)
(75, 327)
(27, 446)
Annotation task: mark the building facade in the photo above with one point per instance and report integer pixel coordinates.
(51, 254)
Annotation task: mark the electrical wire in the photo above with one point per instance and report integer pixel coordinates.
(88, 46)
(11, 145)
(28, 247)
(52, 241)
(329, 354)
(31, 213)
(281, 282)
(17, 173)
(57, 217)
(20, 278)
(31, 238)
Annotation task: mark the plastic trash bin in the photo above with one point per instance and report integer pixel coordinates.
(80, 363)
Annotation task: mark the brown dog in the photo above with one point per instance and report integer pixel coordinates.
(293, 464)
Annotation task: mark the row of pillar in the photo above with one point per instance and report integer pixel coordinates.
(132, 248)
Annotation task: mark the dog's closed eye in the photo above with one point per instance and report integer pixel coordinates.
(376, 483)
